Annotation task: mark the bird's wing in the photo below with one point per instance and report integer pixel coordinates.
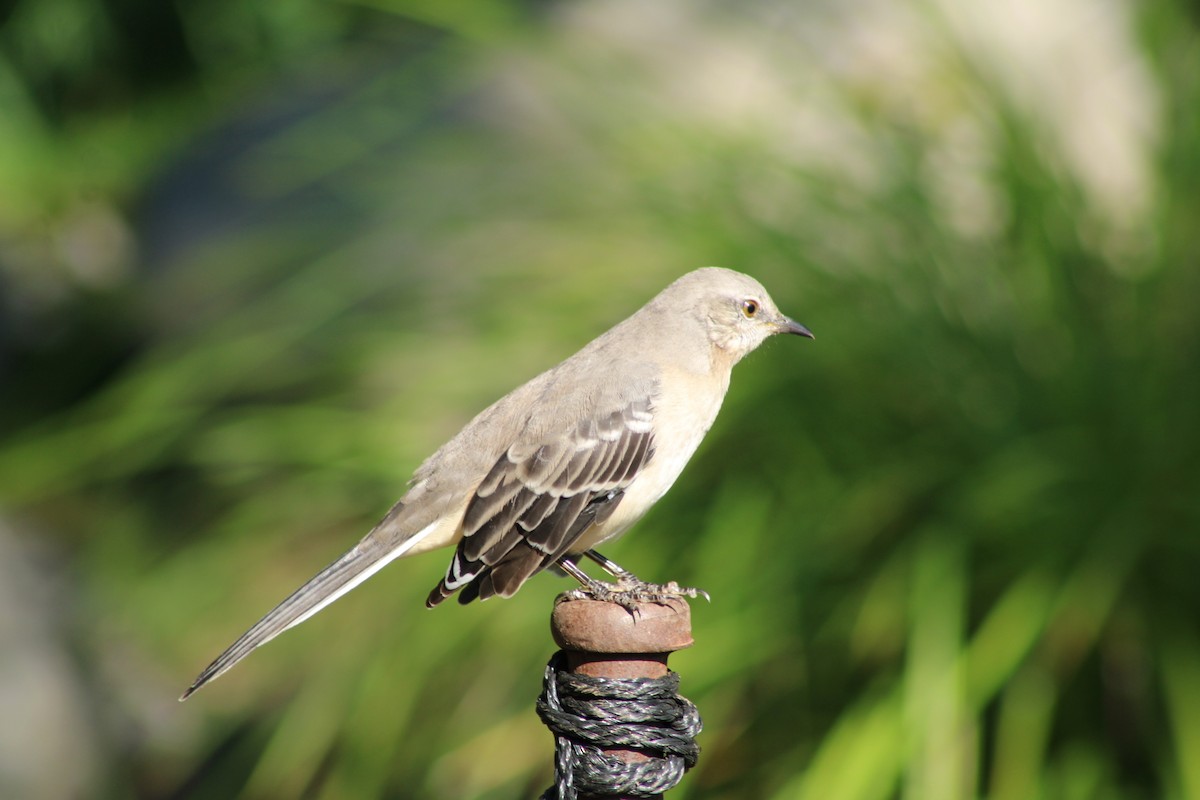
(540, 496)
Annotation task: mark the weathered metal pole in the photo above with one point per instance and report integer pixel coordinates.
(608, 641)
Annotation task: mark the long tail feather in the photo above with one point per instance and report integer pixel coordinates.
(347, 572)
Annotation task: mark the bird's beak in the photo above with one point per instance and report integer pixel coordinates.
(788, 325)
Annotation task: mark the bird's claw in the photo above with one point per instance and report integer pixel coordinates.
(629, 592)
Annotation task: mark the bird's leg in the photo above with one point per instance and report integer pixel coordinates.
(611, 567)
(592, 589)
(628, 591)
(590, 584)
(627, 581)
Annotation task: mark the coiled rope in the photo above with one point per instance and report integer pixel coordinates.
(587, 714)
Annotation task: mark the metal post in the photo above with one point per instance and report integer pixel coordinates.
(608, 641)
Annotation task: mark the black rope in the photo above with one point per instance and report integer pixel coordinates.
(643, 714)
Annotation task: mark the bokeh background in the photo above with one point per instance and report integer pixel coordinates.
(258, 259)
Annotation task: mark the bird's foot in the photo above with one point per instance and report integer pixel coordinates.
(629, 592)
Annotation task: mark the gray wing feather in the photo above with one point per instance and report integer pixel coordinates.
(538, 499)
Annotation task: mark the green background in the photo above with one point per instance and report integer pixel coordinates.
(257, 260)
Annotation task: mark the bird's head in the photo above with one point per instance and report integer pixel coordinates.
(734, 309)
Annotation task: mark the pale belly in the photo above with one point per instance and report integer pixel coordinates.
(681, 421)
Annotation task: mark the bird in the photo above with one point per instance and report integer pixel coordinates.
(562, 464)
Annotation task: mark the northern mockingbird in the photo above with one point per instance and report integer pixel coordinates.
(562, 464)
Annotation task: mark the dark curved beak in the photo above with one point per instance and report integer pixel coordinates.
(788, 325)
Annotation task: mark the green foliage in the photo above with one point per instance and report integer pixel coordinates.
(951, 544)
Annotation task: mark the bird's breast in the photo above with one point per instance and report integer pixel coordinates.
(684, 411)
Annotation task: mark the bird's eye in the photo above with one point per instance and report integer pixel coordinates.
(749, 307)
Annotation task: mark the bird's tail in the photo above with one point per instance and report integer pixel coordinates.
(347, 572)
